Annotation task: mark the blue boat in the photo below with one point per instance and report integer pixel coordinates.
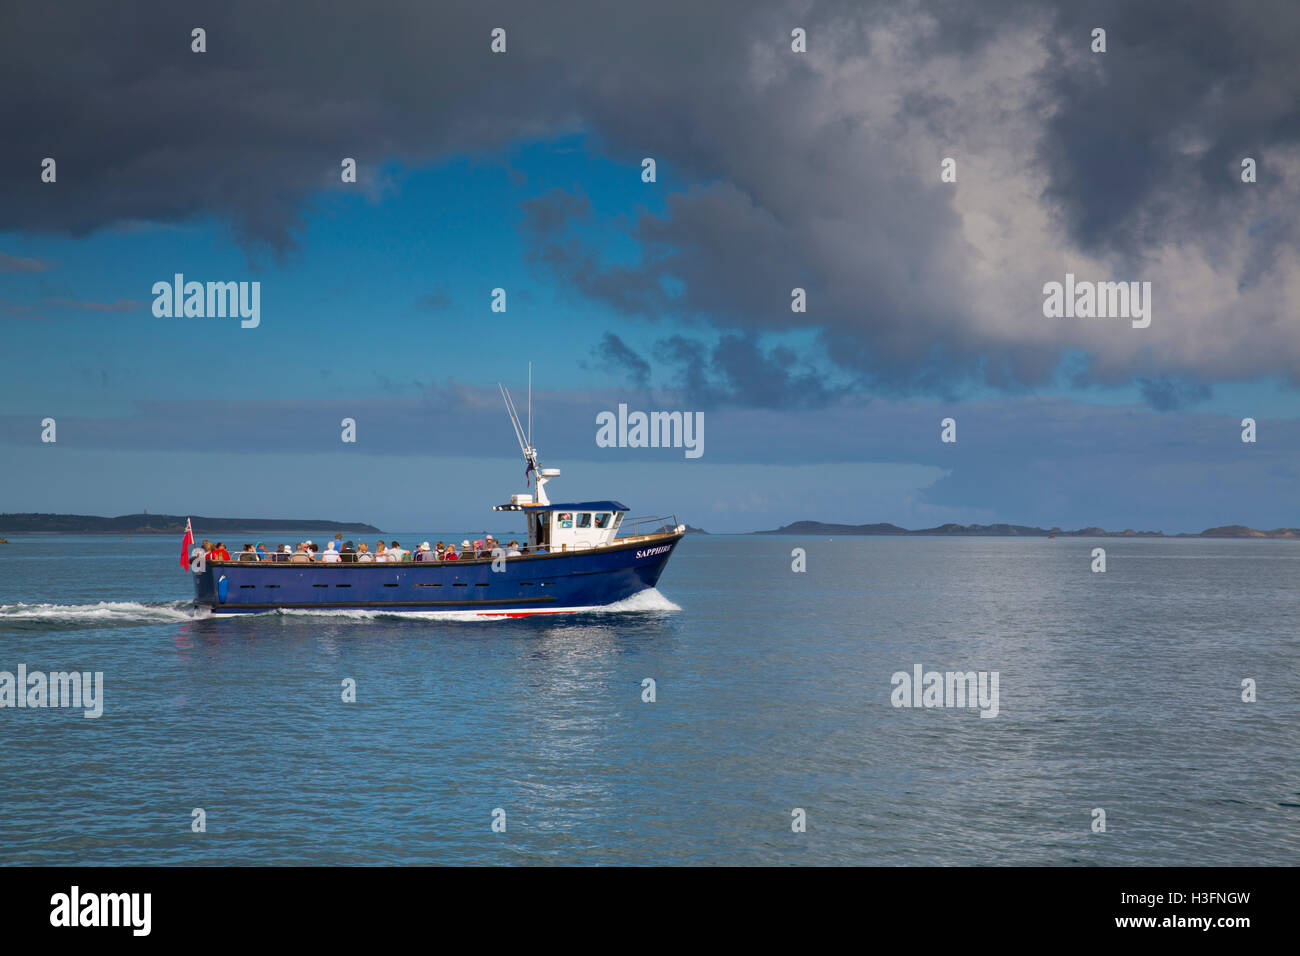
(579, 556)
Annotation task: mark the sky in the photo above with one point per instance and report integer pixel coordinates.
(775, 169)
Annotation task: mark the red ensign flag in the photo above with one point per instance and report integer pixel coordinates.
(186, 543)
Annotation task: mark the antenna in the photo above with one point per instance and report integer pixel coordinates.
(525, 439)
(514, 419)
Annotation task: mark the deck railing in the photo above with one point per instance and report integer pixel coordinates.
(640, 527)
(628, 530)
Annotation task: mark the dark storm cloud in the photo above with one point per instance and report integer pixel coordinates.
(615, 352)
(1027, 460)
(547, 227)
(144, 129)
(738, 371)
(780, 170)
(1165, 395)
(848, 429)
(1150, 141)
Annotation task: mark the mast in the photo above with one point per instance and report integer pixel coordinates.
(525, 440)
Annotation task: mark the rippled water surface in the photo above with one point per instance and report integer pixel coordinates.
(1119, 691)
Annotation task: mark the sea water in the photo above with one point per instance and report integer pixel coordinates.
(769, 733)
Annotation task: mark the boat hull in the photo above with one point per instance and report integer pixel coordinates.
(558, 583)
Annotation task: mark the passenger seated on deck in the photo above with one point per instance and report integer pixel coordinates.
(425, 553)
(219, 553)
(363, 553)
(396, 552)
(281, 553)
(512, 550)
(381, 551)
(330, 556)
(439, 551)
(302, 555)
(348, 553)
(248, 554)
(451, 555)
(261, 551)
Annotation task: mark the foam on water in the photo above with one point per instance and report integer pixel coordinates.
(164, 612)
(124, 612)
(648, 600)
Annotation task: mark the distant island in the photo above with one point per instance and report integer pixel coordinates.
(164, 524)
(690, 529)
(1022, 531)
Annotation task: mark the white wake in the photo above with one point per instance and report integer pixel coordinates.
(126, 612)
(134, 612)
(648, 600)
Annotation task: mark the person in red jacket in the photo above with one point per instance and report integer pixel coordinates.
(219, 553)
(451, 554)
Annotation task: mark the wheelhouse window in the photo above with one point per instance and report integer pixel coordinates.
(584, 519)
(564, 519)
(618, 518)
(602, 519)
